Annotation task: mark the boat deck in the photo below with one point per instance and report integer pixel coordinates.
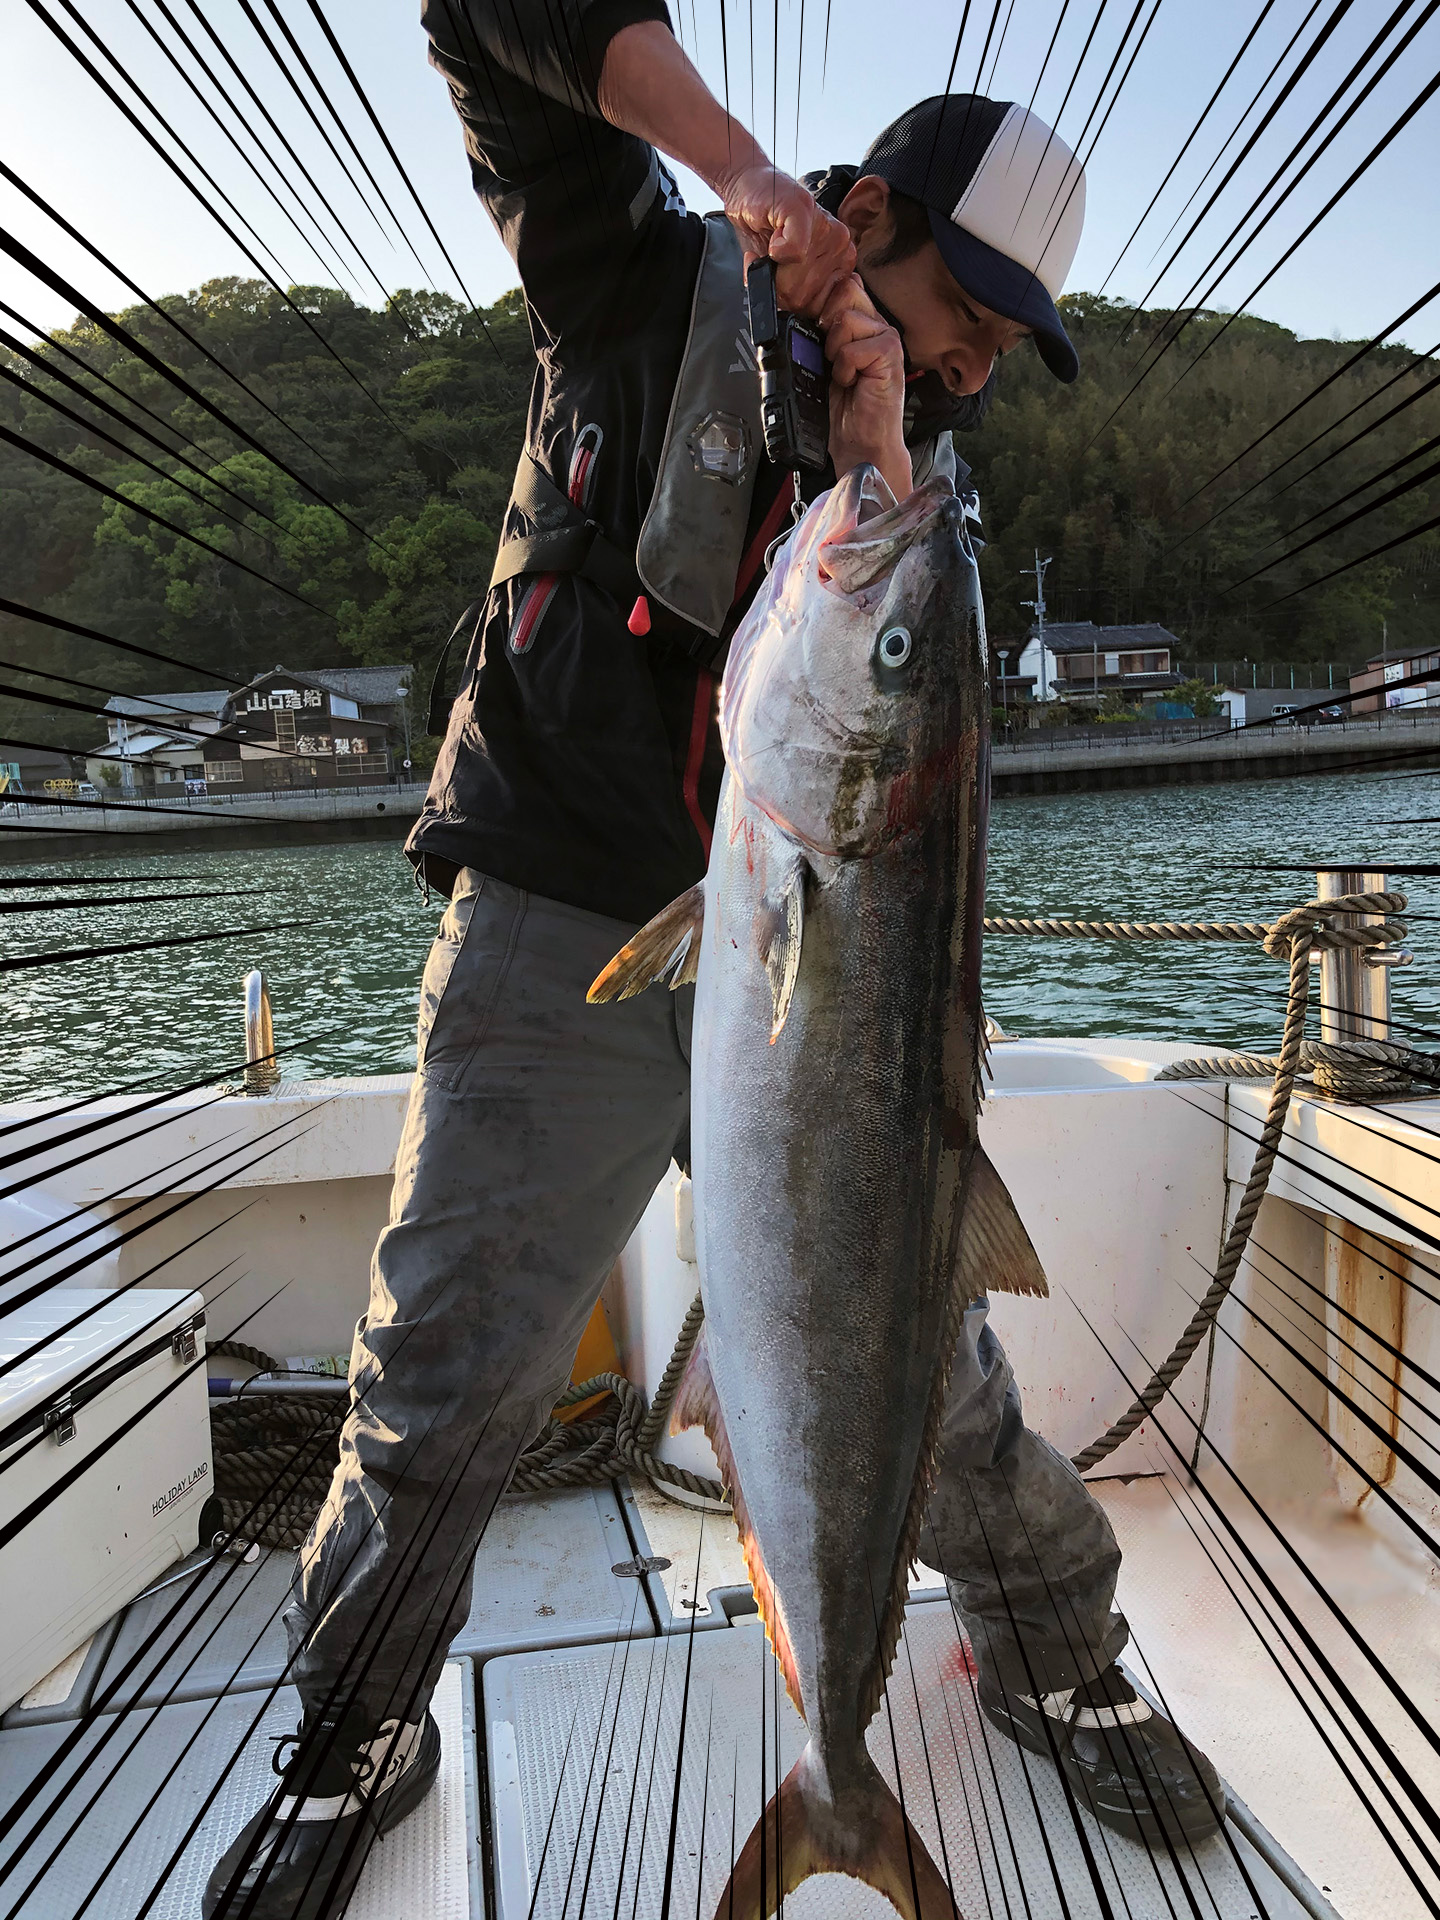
(562, 1652)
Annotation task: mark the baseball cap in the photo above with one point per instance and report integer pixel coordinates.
(1006, 199)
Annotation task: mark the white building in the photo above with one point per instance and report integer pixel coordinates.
(1080, 659)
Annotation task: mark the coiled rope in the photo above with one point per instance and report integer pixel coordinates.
(1353, 1069)
(257, 1439)
(273, 1501)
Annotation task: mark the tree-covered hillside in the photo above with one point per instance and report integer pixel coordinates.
(417, 442)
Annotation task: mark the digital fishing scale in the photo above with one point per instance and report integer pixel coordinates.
(794, 377)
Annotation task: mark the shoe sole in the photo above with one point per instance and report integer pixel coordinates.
(1142, 1824)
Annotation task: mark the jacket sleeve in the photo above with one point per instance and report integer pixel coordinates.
(566, 190)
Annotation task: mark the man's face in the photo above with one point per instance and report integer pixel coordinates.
(945, 330)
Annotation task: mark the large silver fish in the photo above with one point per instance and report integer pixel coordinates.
(845, 1212)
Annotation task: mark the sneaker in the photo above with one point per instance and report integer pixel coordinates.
(294, 1860)
(1124, 1759)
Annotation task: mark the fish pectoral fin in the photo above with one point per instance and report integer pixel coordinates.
(666, 948)
(779, 932)
(996, 1255)
(697, 1404)
(860, 1830)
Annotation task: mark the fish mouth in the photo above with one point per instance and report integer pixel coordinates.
(877, 530)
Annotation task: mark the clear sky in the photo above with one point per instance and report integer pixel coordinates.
(1367, 261)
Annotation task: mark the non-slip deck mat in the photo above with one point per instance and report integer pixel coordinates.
(543, 1576)
(423, 1870)
(225, 1637)
(542, 1579)
(1002, 1812)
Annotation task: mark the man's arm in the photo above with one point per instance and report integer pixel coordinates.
(648, 87)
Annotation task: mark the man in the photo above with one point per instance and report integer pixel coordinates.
(573, 799)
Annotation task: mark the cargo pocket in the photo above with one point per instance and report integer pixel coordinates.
(464, 977)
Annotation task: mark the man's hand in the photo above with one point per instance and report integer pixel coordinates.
(776, 217)
(867, 387)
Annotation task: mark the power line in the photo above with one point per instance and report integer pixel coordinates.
(33, 264)
(339, 119)
(1316, 438)
(1396, 128)
(1360, 486)
(53, 345)
(1375, 43)
(1315, 392)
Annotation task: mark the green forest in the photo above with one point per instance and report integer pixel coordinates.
(413, 439)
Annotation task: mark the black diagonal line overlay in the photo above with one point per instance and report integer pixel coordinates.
(52, 1282)
(41, 699)
(30, 960)
(94, 73)
(83, 902)
(200, 61)
(60, 625)
(1428, 1814)
(81, 391)
(985, 1734)
(71, 472)
(1253, 1622)
(609, 1754)
(97, 1707)
(650, 1780)
(970, 1807)
(131, 343)
(655, 1646)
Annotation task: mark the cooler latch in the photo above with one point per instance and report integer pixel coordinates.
(182, 1341)
(60, 1420)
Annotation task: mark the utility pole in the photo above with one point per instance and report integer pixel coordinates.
(1037, 607)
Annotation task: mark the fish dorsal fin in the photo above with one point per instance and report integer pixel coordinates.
(666, 948)
(779, 933)
(995, 1254)
(697, 1404)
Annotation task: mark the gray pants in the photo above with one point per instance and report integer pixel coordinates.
(538, 1128)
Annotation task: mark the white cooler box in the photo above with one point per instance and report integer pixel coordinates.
(104, 1463)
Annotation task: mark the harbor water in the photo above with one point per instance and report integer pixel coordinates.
(344, 971)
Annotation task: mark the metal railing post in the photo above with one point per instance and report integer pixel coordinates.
(1354, 993)
(262, 1073)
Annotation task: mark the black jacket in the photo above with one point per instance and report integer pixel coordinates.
(581, 761)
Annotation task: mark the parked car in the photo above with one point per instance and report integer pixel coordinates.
(1322, 717)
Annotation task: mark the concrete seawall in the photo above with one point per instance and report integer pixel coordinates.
(1277, 753)
(174, 826)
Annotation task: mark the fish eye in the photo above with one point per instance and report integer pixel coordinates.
(893, 648)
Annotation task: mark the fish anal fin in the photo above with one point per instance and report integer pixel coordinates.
(666, 948)
(779, 935)
(995, 1252)
(861, 1831)
(698, 1405)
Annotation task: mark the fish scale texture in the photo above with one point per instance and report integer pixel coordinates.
(419, 1870)
(993, 1801)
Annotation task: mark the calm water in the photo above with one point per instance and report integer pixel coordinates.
(344, 983)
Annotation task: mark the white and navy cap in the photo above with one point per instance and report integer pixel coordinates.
(1006, 199)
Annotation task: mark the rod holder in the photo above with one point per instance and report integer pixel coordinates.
(262, 1073)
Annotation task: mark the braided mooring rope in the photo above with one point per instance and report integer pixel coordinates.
(257, 1440)
(275, 1454)
(1354, 1068)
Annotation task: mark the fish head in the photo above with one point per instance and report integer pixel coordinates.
(855, 693)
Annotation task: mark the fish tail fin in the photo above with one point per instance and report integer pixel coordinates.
(996, 1254)
(861, 1831)
(666, 948)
